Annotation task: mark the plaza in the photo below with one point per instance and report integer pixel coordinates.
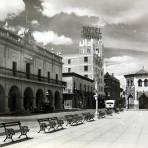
(126, 129)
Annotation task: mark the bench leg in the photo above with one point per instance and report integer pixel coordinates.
(5, 138)
(20, 136)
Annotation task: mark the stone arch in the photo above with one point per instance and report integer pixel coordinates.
(143, 101)
(57, 100)
(28, 99)
(14, 98)
(39, 98)
(130, 101)
(2, 99)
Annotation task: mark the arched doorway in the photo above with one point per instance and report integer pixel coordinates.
(14, 99)
(130, 102)
(28, 99)
(39, 98)
(143, 102)
(57, 101)
(2, 99)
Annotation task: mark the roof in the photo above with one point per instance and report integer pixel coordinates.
(140, 72)
(69, 74)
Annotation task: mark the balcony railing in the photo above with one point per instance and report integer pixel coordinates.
(29, 76)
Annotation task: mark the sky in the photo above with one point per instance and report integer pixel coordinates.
(57, 24)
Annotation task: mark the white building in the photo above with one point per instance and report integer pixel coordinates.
(88, 62)
(137, 90)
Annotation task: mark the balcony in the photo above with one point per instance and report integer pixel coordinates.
(19, 74)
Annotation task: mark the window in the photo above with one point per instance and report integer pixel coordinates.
(48, 74)
(56, 77)
(128, 83)
(74, 85)
(80, 86)
(69, 69)
(131, 82)
(145, 82)
(85, 59)
(69, 61)
(85, 68)
(39, 74)
(28, 70)
(14, 68)
(140, 82)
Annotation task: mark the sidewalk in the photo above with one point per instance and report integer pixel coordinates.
(35, 117)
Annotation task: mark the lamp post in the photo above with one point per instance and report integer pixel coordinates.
(96, 98)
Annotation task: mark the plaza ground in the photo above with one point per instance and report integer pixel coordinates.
(129, 129)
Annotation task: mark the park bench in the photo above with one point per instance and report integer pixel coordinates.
(85, 116)
(11, 128)
(88, 116)
(117, 110)
(46, 123)
(59, 122)
(102, 114)
(109, 111)
(77, 119)
(69, 119)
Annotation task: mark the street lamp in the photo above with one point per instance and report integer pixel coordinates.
(96, 98)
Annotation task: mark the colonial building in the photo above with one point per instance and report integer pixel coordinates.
(137, 90)
(111, 87)
(78, 92)
(88, 62)
(30, 75)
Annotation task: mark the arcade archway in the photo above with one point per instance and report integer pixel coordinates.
(14, 99)
(28, 99)
(143, 102)
(57, 101)
(2, 99)
(39, 98)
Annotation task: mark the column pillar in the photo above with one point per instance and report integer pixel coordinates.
(6, 107)
(21, 105)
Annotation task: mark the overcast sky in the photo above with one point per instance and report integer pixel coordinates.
(58, 23)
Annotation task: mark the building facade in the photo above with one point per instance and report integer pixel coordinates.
(88, 62)
(137, 90)
(78, 92)
(111, 87)
(29, 74)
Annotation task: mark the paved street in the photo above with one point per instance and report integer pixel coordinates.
(125, 130)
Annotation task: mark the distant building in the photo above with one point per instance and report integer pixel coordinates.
(30, 75)
(78, 92)
(88, 62)
(111, 87)
(137, 90)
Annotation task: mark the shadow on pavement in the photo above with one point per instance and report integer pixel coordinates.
(14, 142)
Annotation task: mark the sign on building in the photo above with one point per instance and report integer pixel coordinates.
(91, 32)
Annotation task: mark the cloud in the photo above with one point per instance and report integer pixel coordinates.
(51, 9)
(113, 11)
(10, 9)
(51, 37)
